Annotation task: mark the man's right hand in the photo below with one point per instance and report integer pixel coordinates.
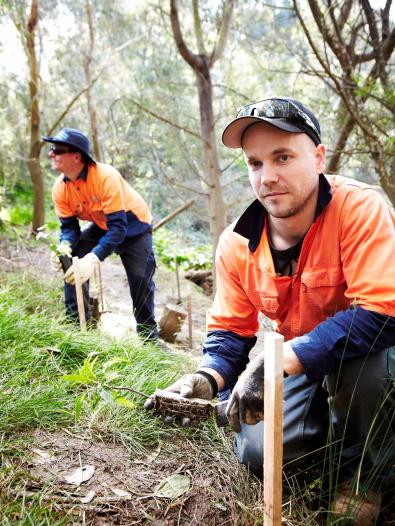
(192, 386)
(63, 249)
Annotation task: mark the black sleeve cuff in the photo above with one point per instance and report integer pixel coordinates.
(211, 379)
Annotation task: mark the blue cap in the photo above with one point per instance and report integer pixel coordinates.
(74, 138)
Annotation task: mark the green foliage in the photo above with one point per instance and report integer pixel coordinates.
(16, 207)
(167, 247)
(51, 374)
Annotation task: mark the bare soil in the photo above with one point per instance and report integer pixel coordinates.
(122, 488)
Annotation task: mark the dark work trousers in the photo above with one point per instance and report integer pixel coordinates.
(346, 422)
(139, 262)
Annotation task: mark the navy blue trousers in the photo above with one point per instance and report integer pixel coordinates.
(345, 423)
(138, 259)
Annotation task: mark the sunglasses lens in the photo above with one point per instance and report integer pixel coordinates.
(59, 150)
(276, 109)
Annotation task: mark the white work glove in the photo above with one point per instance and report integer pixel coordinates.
(86, 266)
(63, 249)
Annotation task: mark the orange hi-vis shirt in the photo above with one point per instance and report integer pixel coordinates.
(347, 257)
(103, 192)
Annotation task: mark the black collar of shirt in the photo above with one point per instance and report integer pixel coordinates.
(83, 175)
(252, 222)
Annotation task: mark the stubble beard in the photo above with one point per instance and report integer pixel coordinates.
(299, 202)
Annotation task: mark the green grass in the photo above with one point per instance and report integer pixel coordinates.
(52, 375)
(34, 389)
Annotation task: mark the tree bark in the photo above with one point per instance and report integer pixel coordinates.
(35, 140)
(216, 204)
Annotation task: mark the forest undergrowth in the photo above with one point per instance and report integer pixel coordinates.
(64, 408)
(58, 394)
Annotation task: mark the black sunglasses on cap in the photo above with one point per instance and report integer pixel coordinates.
(277, 109)
(60, 149)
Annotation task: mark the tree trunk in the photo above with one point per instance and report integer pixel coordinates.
(88, 75)
(216, 205)
(35, 141)
(347, 127)
(201, 64)
(171, 322)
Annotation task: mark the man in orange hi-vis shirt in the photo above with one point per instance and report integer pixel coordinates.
(119, 221)
(316, 254)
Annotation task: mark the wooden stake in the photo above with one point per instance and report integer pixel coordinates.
(273, 429)
(100, 287)
(190, 321)
(78, 292)
(178, 280)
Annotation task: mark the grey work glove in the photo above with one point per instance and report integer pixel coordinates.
(188, 386)
(246, 401)
(192, 386)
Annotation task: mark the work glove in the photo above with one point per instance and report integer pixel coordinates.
(194, 385)
(246, 401)
(86, 266)
(63, 249)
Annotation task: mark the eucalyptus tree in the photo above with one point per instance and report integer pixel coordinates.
(201, 64)
(26, 19)
(355, 57)
(44, 111)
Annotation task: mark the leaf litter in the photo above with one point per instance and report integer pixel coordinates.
(106, 482)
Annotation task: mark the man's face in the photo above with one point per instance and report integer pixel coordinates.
(66, 162)
(283, 168)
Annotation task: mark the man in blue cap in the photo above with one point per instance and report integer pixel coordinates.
(119, 221)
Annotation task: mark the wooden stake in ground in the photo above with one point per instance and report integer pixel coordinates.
(177, 280)
(78, 292)
(273, 429)
(190, 321)
(100, 287)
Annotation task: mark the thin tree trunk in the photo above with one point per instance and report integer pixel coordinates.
(216, 205)
(88, 76)
(386, 177)
(35, 141)
(201, 64)
(348, 125)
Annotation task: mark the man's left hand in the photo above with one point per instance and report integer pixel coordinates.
(86, 267)
(246, 401)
